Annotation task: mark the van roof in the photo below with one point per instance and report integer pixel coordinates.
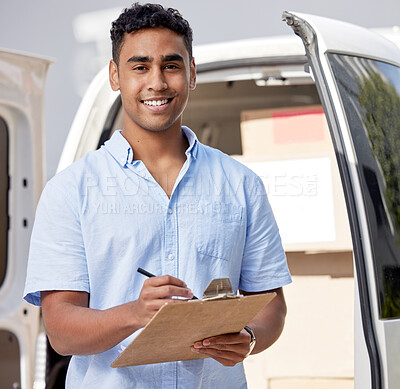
(281, 48)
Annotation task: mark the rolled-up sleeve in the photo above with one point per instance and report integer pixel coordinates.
(57, 258)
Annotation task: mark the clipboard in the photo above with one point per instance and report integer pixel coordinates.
(169, 335)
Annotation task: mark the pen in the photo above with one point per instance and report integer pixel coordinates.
(148, 274)
(145, 272)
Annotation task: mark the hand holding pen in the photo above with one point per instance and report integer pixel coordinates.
(148, 274)
(156, 292)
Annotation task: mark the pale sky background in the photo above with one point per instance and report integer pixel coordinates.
(57, 29)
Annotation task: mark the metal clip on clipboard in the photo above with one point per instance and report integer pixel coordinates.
(219, 288)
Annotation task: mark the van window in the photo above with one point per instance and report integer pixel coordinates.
(3, 198)
(370, 93)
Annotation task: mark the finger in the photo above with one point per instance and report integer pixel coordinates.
(165, 280)
(165, 291)
(227, 358)
(238, 338)
(222, 361)
(169, 291)
(241, 348)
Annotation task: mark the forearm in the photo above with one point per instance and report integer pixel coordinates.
(77, 330)
(269, 322)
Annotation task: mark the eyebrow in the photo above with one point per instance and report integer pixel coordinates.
(139, 59)
(167, 58)
(173, 57)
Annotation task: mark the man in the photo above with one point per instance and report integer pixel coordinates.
(152, 197)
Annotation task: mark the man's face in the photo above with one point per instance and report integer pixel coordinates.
(154, 77)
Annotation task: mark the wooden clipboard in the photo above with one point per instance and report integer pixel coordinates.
(169, 335)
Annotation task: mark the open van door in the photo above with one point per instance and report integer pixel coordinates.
(22, 83)
(357, 74)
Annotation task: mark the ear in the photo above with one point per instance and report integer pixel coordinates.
(113, 75)
(192, 82)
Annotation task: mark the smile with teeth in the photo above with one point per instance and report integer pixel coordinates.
(156, 103)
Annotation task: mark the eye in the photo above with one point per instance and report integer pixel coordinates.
(140, 68)
(171, 67)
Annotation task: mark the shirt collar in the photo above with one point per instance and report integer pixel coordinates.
(193, 142)
(121, 150)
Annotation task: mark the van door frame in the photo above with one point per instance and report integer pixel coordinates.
(355, 210)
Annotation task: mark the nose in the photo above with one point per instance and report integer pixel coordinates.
(157, 81)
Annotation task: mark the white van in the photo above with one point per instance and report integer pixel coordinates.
(318, 118)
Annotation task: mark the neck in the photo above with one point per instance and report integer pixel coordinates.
(155, 147)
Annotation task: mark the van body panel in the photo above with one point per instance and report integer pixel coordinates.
(22, 84)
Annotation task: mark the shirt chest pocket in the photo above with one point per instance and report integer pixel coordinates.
(218, 229)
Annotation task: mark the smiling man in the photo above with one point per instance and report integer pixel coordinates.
(191, 214)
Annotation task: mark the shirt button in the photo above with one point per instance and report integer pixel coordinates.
(171, 257)
(169, 211)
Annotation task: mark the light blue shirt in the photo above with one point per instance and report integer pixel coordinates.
(104, 216)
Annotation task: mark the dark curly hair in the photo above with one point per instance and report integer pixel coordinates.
(149, 15)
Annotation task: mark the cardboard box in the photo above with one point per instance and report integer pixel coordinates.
(291, 150)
